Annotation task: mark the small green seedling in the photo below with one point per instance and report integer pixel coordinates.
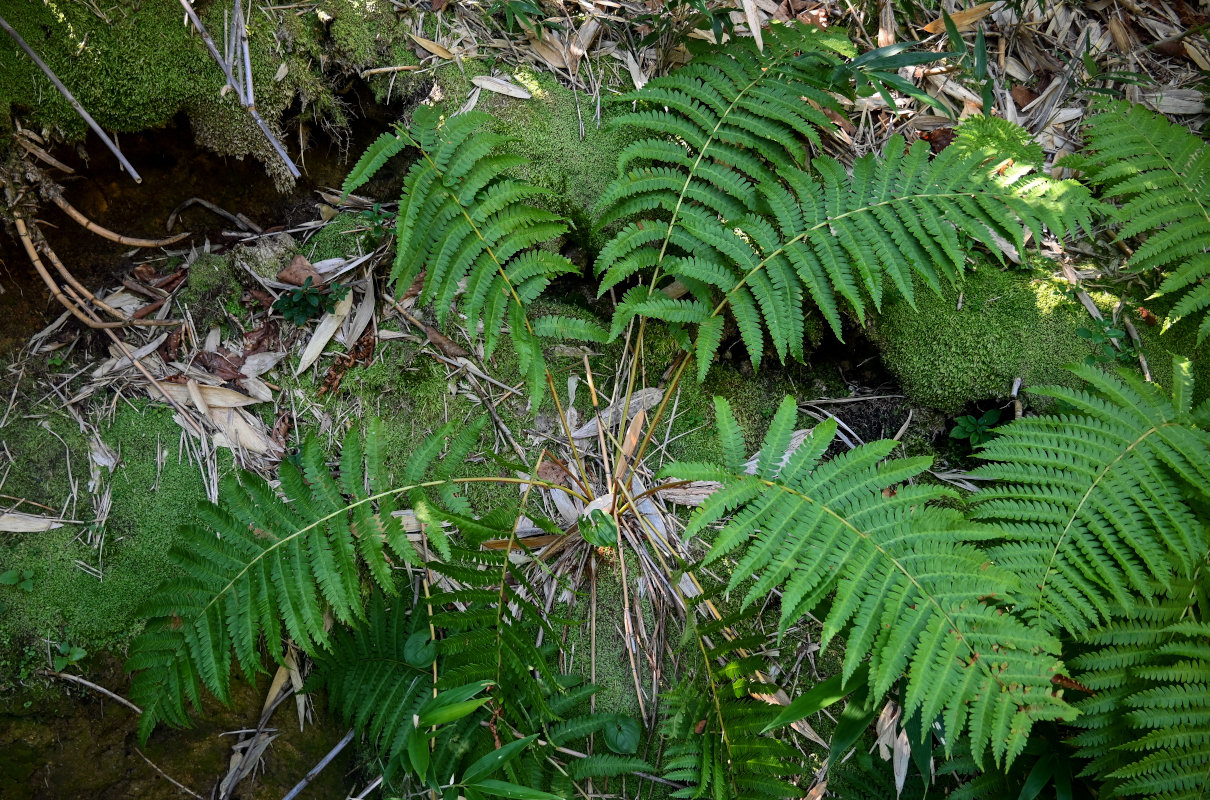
(977, 429)
(66, 655)
(1102, 337)
(22, 579)
(307, 302)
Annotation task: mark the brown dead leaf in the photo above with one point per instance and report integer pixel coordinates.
(298, 270)
(550, 48)
(431, 46)
(962, 19)
(501, 86)
(553, 470)
(1023, 95)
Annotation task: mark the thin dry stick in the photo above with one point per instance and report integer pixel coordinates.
(75, 679)
(105, 233)
(245, 101)
(26, 240)
(92, 123)
(168, 777)
(90, 297)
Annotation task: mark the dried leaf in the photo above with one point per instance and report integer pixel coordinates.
(239, 430)
(431, 46)
(963, 19)
(258, 364)
(641, 400)
(281, 73)
(16, 522)
(901, 757)
(752, 17)
(213, 396)
(636, 74)
(551, 50)
(324, 332)
(297, 272)
(501, 86)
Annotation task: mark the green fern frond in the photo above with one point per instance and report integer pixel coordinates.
(714, 727)
(1146, 727)
(384, 148)
(908, 587)
(726, 201)
(1158, 174)
(1091, 502)
(270, 562)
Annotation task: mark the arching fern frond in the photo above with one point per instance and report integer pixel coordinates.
(1158, 173)
(270, 562)
(909, 588)
(725, 205)
(1146, 728)
(1091, 501)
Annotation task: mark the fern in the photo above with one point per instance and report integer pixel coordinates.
(268, 563)
(910, 588)
(725, 201)
(379, 677)
(1091, 502)
(1147, 725)
(1159, 174)
(715, 729)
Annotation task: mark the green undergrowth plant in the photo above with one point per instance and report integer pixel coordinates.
(1157, 177)
(443, 653)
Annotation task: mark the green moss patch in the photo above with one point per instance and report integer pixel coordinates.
(1012, 324)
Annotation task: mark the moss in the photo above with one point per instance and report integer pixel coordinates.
(546, 130)
(211, 284)
(345, 235)
(1159, 346)
(1012, 324)
(149, 503)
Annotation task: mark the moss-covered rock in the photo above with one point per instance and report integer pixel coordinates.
(346, 235)
(546, 130)
(211, 284)
(1011, 324)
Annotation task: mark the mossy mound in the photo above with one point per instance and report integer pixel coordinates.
(154, 490)
(1160, 346)
(546, 131)
(346, 235)
(1012, 324)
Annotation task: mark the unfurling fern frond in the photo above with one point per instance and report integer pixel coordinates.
(715, 728)
(1159, 175)
(1091, 501)
(1146, 726)
(270, 562)
(909, 588)
(725, 203)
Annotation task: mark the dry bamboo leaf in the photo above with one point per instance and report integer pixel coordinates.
(887, 29)
(281, 73)
(257, 388)
(552, 54)
(636, 73)
(16, 522)
(431, 46)
(752, 17)
(213, 396)
(1175, 101)
(963, 19)
(641, 400)
(195, 396)
(258, 364)
(324, 332)
(901, 757)
(501, 86)
(239, 430)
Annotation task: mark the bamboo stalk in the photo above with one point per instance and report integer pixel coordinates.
(244, 100)
(105, 233)
(92, 123)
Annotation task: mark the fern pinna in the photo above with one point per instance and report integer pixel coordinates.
(1091, 502)
(905, 581)
(464, 224)
(1158, 175)
(723, 202)
(267, 563)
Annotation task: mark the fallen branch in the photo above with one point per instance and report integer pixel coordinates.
(105, 233)
(310, 776)
(92, 123)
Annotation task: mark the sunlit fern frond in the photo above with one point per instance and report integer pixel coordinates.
(725, 205)
(1158, 175)
(1092, 500)
(1146, 725)
(268, 562)
(904, 580)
